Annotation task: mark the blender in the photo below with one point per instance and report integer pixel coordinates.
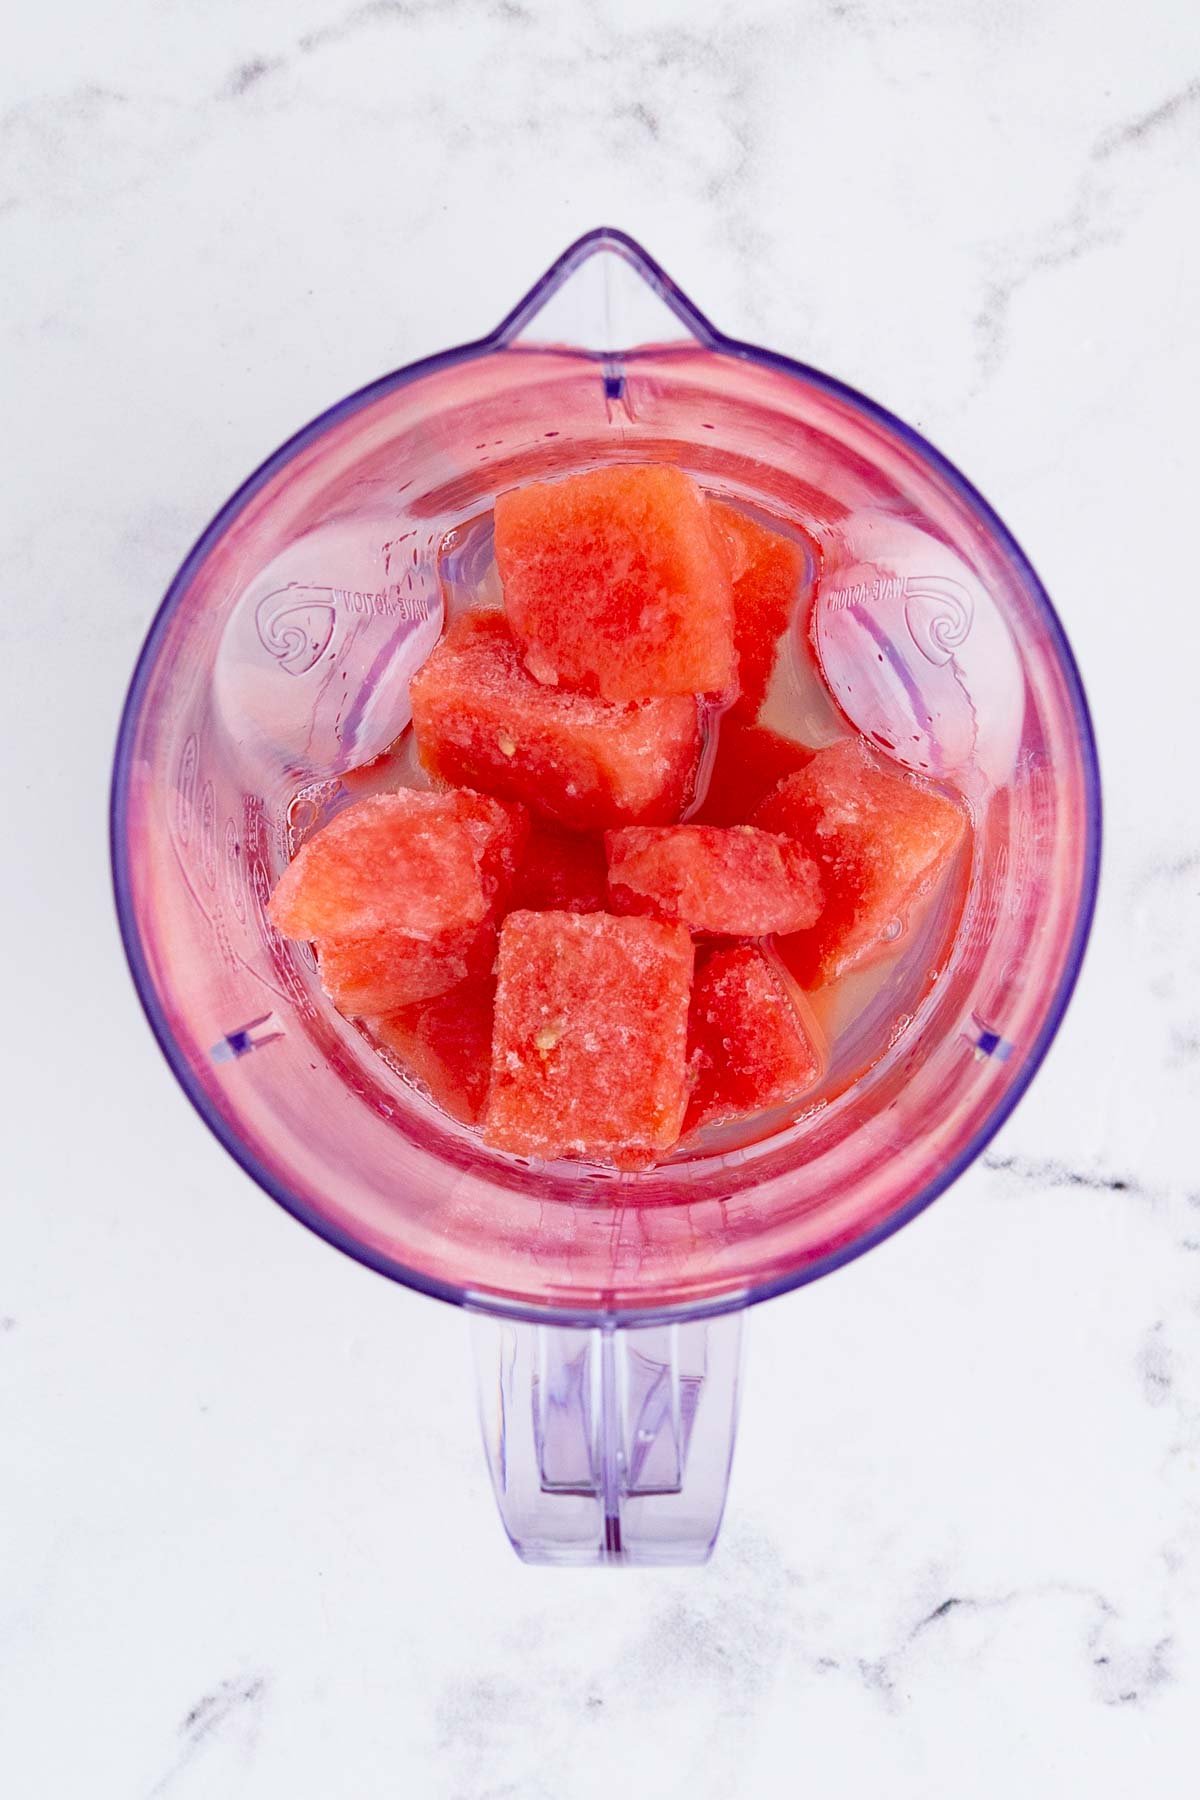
(606, 1309)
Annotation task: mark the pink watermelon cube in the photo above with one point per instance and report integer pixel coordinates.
(718, 881)
(446, 1042)
(589, 1048)
(387, 968)
(483, 721)
(400, 894)
(422, 863)
(766, 570)
(615, 583)
(881, 838)
(753, 1042)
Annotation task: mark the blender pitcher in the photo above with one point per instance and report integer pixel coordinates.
(606, 1308)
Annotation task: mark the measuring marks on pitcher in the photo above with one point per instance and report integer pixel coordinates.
(228, 861)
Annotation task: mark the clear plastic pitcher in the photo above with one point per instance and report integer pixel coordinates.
(607, 1308)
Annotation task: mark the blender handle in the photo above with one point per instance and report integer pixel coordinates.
(609, 1443)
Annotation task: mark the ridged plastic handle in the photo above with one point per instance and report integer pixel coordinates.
(609, 1443)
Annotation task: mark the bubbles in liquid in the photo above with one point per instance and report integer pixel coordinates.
(899, 1027)
(310, 808)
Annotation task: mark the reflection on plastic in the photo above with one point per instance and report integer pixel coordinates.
(917, 653)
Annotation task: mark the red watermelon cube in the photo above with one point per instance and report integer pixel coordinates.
(766, 569)
(561, 871)
(615, 583)
(753, 1044)
(499, 832)
(881, 838)
(589, 1047)
(446, 1042)
(727, 882)
(482, 720)
(750, 760)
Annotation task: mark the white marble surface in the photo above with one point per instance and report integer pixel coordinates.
(247, 1543)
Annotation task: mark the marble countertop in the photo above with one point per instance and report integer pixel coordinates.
(247, 1544)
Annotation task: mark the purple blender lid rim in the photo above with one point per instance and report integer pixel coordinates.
(700, 328)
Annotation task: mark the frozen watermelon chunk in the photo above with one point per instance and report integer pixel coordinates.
(499, 833)
(750, 760)
(424, 864)
(388, 968)
(561, 871)
(766, 571)
(482, 720)
(726, 882)
(447, 1043)
(753, 1043)
(590, 1039)
(881, 838)
(615, 582)
(400, 894)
